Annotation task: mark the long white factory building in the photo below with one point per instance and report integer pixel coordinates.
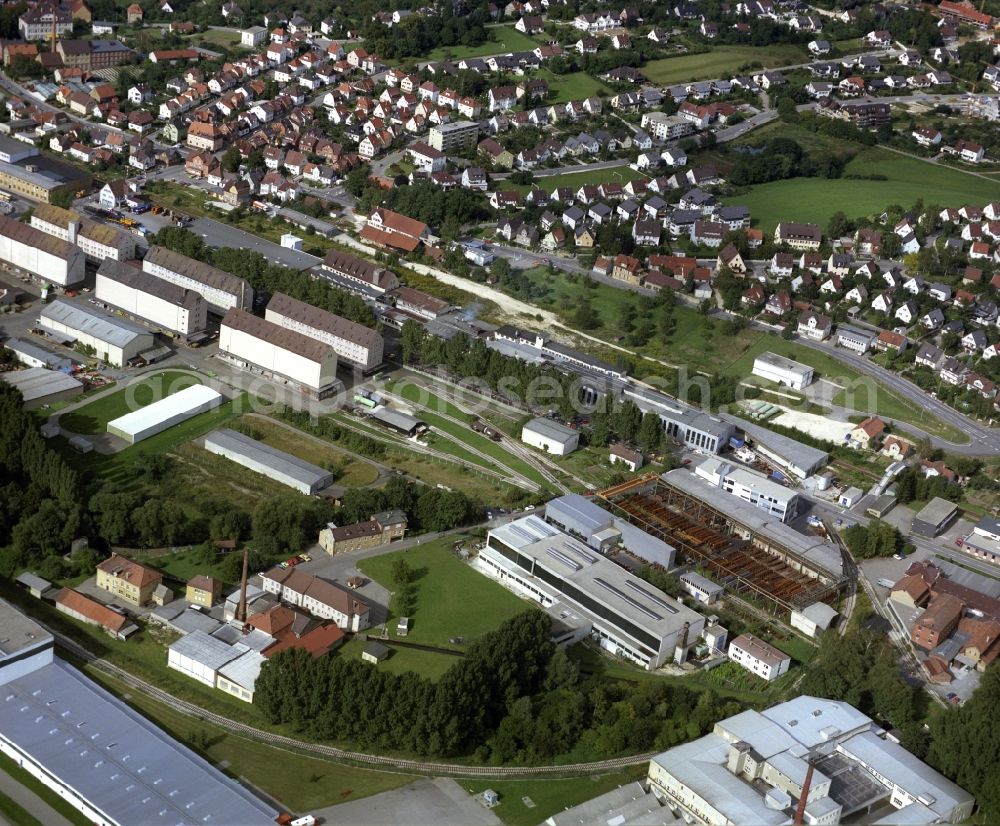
(268, 349)
(156, 417)
(104, 759)
(222, 290)
(114, 340)
(354, 343)
(35, 252)
(626, 615)
(152, 299)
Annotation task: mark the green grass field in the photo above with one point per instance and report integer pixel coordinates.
(452, 599)
(722, 61)
(419, 395)
(427, 664)
(505, 39)
(549, 795)
(94, 417)
(573, 86)
(816, 199)
(617, 174)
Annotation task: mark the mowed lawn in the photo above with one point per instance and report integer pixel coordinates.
(721, 62)
(427, 664)
(573, 86)
(616, 174)
(452, 599)
(908, 179)
(505, 39)
(93, 417)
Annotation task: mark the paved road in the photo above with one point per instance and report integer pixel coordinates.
(31, 802)
(596, 166)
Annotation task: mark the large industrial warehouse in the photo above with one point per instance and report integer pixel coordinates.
(156, 417)
(152, 299)
(114, 341)
(98, 241)
(35, 252)
(220, 289)
(354, 343)
(39, 385)
(271, 462)
(104, 759)
(263, 347)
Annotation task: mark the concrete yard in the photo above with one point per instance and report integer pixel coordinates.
(431, 802)
(822, 427)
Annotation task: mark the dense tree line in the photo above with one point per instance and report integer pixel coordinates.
(912, 485)
(878, 538)
(782, 158)
(514, 697)
(428, 508)
(419, 34)
(40, 495)
(266, 277)
(426, 202)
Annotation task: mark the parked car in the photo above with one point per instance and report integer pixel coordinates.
(305, 558)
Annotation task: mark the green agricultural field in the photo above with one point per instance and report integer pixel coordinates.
(452, 600)
(549, 795)
(620, 174)
(908, 179)
(573, 86)
(722, 61)
(505, 39)
(93, 418)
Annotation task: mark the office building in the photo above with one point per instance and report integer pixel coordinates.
(151, 299)
(933, 517)
(626, 615)
(752, 769)
(750, 486)
(853, 338)
(355, 344)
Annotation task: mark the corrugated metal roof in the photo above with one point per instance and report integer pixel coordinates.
(39, 382)
(79, 317)
(233, 442)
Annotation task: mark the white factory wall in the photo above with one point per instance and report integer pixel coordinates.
(277, 360)
(152, 308)
(50, 267)
(348, 350)
(218, 300)
(115, 356)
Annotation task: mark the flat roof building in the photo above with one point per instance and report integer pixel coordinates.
(25, 171)
(354, 343)
(628, 616)
(104, 759)
(156, 417)
(454, 135)
(150, 298)
(789, 454)
(750, 486)
(549, 436)
(269, 349)
(40, 254)
(933, 517)
(701, 587)
(222, 290)
(854, 338)
(628, 805)
(113, 340)
(752, 768)
(694, 428)
(782, 370)
(290, 470)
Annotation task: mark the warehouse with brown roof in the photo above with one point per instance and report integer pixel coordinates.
(42, 255)
(220, 289)
(98, 241)
(354, 343)
(359, 271)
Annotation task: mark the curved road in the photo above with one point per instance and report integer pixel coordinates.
(400, 764)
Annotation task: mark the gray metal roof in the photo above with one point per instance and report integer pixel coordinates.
(244, 670)
(80, 317)
(206, 650)
(794, 452)
(121, 763)
(549, 429)
(576, 511)
(39, 382)
(782, 363)
(395, 418)
(628, 805)
(820, 613)
(674, 410)
(18, 631)
(233, 442)
(31, 350)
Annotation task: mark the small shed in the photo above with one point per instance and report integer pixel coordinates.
(403, 627)
(491, 798)
(814, 619)
(375, 652)
(162, 595)
(35, 585)
(850, 497)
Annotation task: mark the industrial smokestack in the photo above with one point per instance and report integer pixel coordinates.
(241, 609)
(680, 652)
(800, 810)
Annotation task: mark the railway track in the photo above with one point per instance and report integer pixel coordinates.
(332, 753)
